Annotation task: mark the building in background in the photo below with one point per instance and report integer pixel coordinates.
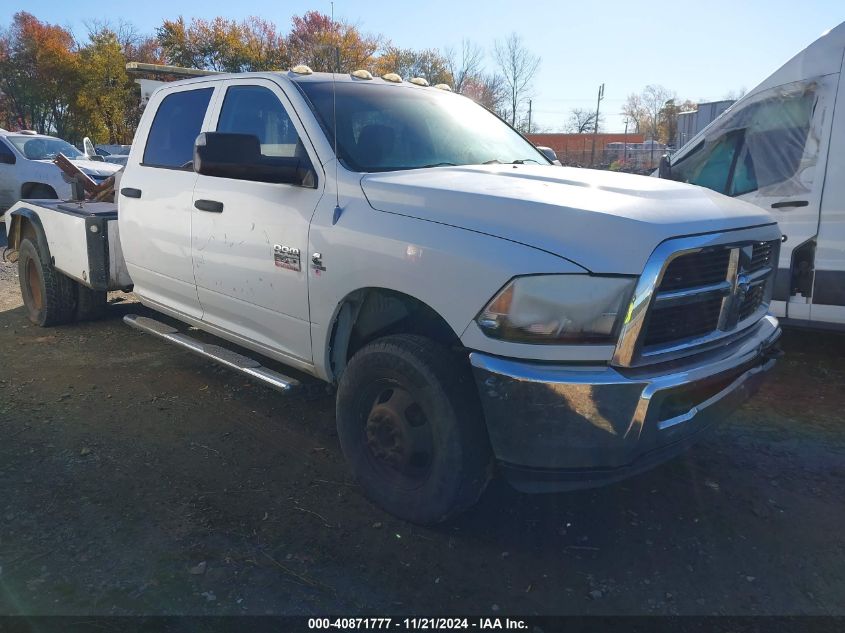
(629, 152)
(692, 122)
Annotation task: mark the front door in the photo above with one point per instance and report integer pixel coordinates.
(250, 239)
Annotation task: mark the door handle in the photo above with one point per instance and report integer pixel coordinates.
(212, 206)
(129, 192)
(789, 203)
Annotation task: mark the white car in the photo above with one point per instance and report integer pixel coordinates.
(27, 169)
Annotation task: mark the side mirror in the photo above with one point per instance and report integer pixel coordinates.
(665, 168)
(549, 153)
(238, 156)
(7, 158)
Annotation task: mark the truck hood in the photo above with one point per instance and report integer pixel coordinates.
(604, 221)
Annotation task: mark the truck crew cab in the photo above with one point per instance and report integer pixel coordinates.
(475, 306)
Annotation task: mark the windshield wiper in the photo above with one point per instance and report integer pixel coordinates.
(518, 161)
(439, 165)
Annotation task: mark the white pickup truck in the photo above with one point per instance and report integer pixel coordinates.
(476, 308)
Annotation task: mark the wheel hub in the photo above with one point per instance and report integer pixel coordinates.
(33, 280)
(398, 434)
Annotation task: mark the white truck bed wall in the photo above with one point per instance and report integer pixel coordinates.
(83, 240)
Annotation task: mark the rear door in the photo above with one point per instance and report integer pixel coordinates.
(156, 197)
(250, 238)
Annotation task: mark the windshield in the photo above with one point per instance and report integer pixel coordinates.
(390, 127)
(43, 147)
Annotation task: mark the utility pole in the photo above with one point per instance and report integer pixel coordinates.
(625, 144)
(596, 126)
(529, 116)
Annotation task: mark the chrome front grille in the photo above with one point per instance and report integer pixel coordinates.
(708, 291)
(696, 295)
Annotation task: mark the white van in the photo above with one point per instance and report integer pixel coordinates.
(782, 147)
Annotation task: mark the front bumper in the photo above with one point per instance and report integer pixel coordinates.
(556, 427)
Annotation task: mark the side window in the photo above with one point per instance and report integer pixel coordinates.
(257, 111)
(175, 128)
(765, 145)
(710, 165)
(7, 156)
(776, 149)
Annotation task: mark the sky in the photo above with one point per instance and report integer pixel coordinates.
(702, 50)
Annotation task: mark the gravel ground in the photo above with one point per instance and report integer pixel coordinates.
(138, 479)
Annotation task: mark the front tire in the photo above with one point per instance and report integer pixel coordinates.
(48, 295)
(411, 428)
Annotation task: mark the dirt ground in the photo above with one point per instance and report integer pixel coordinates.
(138, 479)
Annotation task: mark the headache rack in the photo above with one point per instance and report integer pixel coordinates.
(691, 298)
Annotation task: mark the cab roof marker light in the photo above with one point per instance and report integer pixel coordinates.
(419, 81)
(392, 77)
(362, 74)
(302, 69)
(445, 87)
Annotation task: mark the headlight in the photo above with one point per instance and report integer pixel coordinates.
(558, 309)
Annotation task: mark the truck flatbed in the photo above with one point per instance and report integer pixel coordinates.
(81, 238)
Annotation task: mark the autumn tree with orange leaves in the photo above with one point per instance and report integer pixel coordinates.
(55, 83)
(39, 75)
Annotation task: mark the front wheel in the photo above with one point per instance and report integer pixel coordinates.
(411, 428)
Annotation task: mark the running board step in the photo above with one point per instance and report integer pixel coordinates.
(237, 362)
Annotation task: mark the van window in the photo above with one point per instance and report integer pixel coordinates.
(775, 144)
(711, 164)
(256, 110)
(764, 145)
(175, 128)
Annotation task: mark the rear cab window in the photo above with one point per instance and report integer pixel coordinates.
(177, 123)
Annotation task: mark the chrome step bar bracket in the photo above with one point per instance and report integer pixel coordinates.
(232, 360)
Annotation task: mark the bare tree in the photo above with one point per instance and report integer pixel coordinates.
(635, 112)
(518, 67)
(656, 100)
(736, 95)
(582, 121)
(465, 67)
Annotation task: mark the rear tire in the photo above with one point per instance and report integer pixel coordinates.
(411, 428)
(48, 295)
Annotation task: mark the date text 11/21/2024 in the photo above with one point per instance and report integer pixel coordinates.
(418, 623)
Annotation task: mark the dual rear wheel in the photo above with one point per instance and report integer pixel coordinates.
(50, 297)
